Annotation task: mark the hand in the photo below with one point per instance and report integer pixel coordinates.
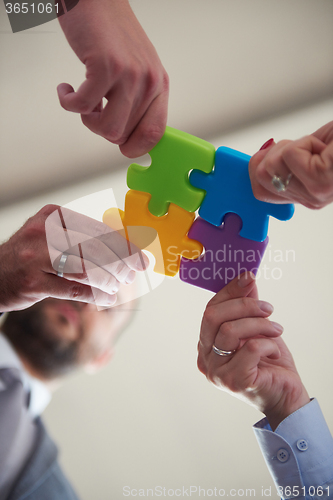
(99, 259)
(309, 160)
(261, 371)
(122, 66)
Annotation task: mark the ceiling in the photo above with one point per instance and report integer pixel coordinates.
(150, 418)
(230, 64)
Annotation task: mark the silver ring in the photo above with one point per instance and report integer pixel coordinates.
(279, 184)
(61, 266)
(220, 352)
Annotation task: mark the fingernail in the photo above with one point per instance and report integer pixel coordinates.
(245, 279)
(267, 144)
(265, 306)
(277, 327)
(130, 277)
(142, 262)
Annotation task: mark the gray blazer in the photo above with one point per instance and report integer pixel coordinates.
(42, 477)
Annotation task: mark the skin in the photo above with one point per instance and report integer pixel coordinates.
(99, 260)
(95, 331)
(123, 67)
(261, 372)
(309, 159)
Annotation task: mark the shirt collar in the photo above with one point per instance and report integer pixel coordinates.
(40, 396)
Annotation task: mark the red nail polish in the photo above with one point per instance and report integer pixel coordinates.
(267, 144)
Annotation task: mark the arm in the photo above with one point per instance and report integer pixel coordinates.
(98, 260)
(299, 453)
(121, 66)
(309, 164)
(261, 371)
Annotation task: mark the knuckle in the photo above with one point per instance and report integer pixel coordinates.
(83, 105)
(288, 149)
(226, 329)
(253, 346)
(112, 133)
(121, 268)
(201, 364)
(112, 284)
(211, 375)
(48, 209)
(151, 133)
(245, 302)
(153, 82)
(210, 316)
(165, 82)
(91, 248)
(29, 282)
(117, 66)
(76, 290)
(134, 74)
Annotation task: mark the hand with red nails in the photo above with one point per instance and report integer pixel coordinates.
(304, 167)
(123, 67)
(97, 260)
(261, 371)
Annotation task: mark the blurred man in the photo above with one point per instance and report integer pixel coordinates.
(38, 346)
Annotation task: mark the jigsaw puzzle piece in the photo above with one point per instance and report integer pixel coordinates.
(226, 256)
(228, 189)
(166, 179)
(171, 230)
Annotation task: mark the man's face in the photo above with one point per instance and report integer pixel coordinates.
(93, 331)
(54, 336)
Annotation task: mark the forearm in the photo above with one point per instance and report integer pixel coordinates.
(299, 454)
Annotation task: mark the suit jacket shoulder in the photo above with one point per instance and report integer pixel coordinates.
(42, 477)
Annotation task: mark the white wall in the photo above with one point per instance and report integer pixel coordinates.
(150, 418)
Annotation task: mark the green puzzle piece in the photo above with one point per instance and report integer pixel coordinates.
(167, 178)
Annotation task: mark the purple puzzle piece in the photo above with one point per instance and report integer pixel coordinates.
(226, 256)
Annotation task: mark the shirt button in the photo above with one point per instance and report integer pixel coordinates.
(302, 445)
(283, 455)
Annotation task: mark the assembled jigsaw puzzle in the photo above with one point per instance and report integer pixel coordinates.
(186, 174)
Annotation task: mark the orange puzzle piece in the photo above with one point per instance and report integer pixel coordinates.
(171, 229)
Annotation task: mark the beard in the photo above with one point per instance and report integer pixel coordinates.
(36, 339)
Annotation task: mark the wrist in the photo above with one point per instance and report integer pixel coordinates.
(286, 407)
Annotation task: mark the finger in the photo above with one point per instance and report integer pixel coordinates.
(61, 288)
(285, 158)
(88, 96)
(220, 318)
(61, 233)
(100, 255)
(306, 158)
(241, 372)
(244, 364)
(112, 121)
(240, 286)
(86, 272)
(263, 166)
(325, 133)
(115, 244)
(230, 334)
(149, 130)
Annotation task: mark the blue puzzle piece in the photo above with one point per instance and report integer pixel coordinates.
(228, 189)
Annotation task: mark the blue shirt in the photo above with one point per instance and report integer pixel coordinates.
(299, 454)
